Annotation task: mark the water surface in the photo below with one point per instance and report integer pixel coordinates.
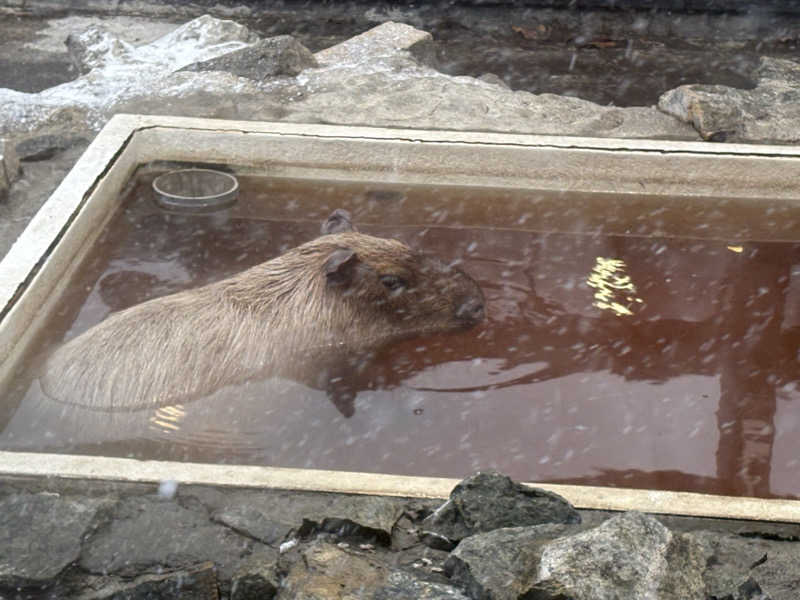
(631, 341)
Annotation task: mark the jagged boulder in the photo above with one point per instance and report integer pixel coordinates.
(630, 556)
(750, 568)
(490, 500)
(768, 113)
(501, 564)
(272, 57)
(328, 572)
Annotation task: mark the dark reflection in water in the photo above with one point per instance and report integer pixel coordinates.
(616, 351)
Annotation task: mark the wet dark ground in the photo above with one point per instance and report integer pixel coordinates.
(621, 57)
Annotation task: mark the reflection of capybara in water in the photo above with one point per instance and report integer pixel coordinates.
(346, 291)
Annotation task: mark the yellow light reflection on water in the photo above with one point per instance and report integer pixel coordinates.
(613, 286)
(168, 417)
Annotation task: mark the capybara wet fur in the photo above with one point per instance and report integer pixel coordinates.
(344, 291)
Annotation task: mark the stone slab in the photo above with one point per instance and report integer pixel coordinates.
(42, 533)
(381, 41)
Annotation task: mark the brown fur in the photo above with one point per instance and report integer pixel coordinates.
(279, 318)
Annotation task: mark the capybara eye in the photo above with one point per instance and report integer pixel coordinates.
(393, 283)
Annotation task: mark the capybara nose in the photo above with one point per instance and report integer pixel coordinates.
(471, 310)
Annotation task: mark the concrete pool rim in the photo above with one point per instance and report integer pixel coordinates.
(122, 140)
(691, 504)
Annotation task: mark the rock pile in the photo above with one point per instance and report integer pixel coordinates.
(217, 68)
(507, 541)
(386, 76)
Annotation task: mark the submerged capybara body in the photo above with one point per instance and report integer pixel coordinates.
(345, 291)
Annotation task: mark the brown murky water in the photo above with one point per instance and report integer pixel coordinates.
(631, 341)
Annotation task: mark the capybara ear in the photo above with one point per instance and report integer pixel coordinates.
(338, 222)
(340, 267)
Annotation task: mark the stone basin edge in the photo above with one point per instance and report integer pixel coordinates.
(28, 465)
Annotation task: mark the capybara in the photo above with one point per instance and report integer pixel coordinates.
(342, 292)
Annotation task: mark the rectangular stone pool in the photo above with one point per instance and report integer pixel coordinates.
(643, 305)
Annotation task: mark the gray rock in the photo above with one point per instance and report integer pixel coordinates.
(9, 167)
(397, 92)
(323, 571)
(257, 577)
(327, 572)
(503, 563)
(630, 556)
(768, 113)
(149, 533)
(737, 565)
(379, 78)
(272, 517)
(386, 39)
(39, 181)
(493, 79)
(119, 73)
(271, 57)
(254, 523)
(96, 47)
(41, 534)
(44, 147)
(491, 500)
(405, 586)
(199, 583)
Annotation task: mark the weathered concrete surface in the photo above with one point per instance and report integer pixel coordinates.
(148, 533)
(41, 534)
(36, 182)
(273, 518)
(770, 113)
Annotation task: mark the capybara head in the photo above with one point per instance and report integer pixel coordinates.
(357, 290)
(393, 285)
